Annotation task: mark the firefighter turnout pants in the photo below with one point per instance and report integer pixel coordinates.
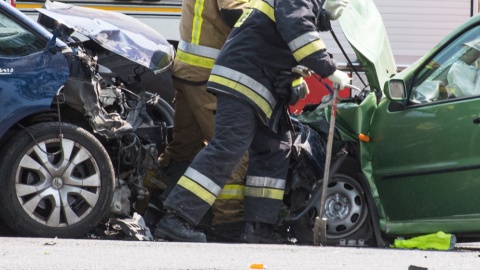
(237, 129)
(194, 122)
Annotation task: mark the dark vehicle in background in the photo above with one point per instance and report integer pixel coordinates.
(78, 131)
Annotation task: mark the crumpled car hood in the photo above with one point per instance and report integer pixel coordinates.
(116, 32)
(363, 27)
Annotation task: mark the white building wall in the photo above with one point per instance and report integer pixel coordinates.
(414, 27)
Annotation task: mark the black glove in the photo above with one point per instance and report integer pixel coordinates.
(323, 21)
(283, 84)
(298, 91)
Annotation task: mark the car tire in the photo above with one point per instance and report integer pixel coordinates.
(347, 212)
(47, 193)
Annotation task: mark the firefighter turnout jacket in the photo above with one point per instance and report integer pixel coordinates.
(271, 36)
(203, 31)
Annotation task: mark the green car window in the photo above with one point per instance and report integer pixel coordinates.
(454, 72)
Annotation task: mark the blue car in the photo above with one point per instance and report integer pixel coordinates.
(76, 123)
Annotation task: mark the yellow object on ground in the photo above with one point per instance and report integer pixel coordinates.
(257, 266)
(435, 241)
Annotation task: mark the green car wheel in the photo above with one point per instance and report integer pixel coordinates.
(346, 210)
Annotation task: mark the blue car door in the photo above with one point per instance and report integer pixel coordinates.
(30, 75)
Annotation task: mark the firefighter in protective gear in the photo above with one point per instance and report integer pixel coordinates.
(204, 27)
(271, 37)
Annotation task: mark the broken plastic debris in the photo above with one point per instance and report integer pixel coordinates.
(51, 243)
(134, 228)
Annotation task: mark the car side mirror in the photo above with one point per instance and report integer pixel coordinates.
(397, 93)
(396, 90)
(59, 31)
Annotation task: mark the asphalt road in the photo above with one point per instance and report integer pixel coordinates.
(42, 253)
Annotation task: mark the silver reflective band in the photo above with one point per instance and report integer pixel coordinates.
(198, 49)
(270, 2)
(303, 40)
(261, 181)
(245, 80)
(202, 180)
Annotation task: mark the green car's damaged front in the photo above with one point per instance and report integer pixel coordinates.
(416, 133)
(363, 27)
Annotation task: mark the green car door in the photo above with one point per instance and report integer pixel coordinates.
(425, 149)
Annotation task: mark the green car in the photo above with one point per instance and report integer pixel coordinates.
(411, 139)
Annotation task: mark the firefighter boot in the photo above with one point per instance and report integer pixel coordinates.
(172, 227)
(262, 233)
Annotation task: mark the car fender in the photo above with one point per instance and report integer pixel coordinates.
(29, 89)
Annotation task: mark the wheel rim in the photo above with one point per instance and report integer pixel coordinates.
(58, 188)
(345, 207)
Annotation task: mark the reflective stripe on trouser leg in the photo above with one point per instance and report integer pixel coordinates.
(228, 207)
(235, 127)
(266, 178)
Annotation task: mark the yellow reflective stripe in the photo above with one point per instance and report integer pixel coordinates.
(246, 13)
(232, 192)
(265, 8)
(196, 189)
(247, 81)
(309, 49)
(255, 97)
(195, 60)
(303, 40)
(203, 180)
(197, 21)
(199, 50)
(297, 82)
(249, 5)
(267, 193)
